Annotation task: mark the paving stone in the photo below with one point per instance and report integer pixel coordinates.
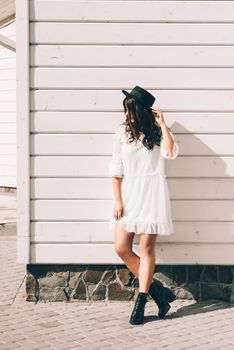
(100, 325)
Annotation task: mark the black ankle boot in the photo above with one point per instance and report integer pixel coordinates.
(160, 287)
(137, 315)
(162, 296)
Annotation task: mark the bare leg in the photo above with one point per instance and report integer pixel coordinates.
(147, 261)
(123, 247)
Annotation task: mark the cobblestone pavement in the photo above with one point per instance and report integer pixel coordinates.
(99, 325)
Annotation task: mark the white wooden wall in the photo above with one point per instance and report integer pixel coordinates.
(8, 111)
(81, 54)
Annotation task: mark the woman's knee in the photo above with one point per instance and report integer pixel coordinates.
(147, 249)
(122, 250)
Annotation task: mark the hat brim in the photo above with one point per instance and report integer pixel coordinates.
(129, 95)
(126, 93)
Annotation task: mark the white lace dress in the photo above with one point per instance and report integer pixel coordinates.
(144, 189)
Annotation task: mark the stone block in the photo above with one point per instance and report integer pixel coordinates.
(52, 294)
(80, 292)
(125, 276)
(194, 273)
(57, 279)
(216, 291)
(210, 274)
(109, 276)
(31, 284)
(188, 291)
(94, 274)
(159, 276)
(225, 274)
(99, 293)
(74, 277)
(117, 292)
(178, 275)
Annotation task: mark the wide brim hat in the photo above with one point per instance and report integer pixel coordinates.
(141, 95)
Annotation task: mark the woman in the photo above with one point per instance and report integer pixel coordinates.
(142, 202)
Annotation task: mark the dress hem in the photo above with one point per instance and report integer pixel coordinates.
(160, 228)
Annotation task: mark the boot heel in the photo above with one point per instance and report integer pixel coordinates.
(162, 312)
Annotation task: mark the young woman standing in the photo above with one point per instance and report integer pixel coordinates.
(141, 197)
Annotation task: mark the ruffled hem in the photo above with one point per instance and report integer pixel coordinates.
(160, 228)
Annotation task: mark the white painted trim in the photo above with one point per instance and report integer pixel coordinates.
(5, 21)
(23, 131)
(7, 43)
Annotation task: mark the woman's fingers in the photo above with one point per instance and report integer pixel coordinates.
(158, 116)
(121, 213)
(118, 213)
(156, 110)
(156, 113)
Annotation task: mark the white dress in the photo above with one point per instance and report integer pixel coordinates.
(144, 189)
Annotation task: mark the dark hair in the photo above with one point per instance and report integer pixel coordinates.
(141, 120)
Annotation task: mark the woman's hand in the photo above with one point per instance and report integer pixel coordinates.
(158, 116)
(118, 209)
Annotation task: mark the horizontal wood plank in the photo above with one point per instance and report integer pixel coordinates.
(9, 159)
(7, 129)
(107, 122)
(131, 56)
(98, 232)
(101, 210)
(7, 117)
(221, 188)
(7, 170)
(116, 78)
(111, 100)
(8, 149)
(101, 144)
(216, 254)
(6, 54)
(8, 95)
(7, 106)
(96, 166)
(7, 138)
(9, 85)
(8, 181)
(131, 33)
(7, 74)
(8, 62)
(168, 11)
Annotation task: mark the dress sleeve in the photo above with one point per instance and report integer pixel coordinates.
(116, 164)
(163, 151)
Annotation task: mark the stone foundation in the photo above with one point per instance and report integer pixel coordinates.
(116, 282)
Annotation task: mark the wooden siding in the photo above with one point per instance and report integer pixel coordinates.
(80, 57)
(8, 110)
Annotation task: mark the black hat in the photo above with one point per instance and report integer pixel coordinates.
(141, 95)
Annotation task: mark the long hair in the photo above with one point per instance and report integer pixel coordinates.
(139, 121)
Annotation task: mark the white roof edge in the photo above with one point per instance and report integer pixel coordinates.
(7, 12)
